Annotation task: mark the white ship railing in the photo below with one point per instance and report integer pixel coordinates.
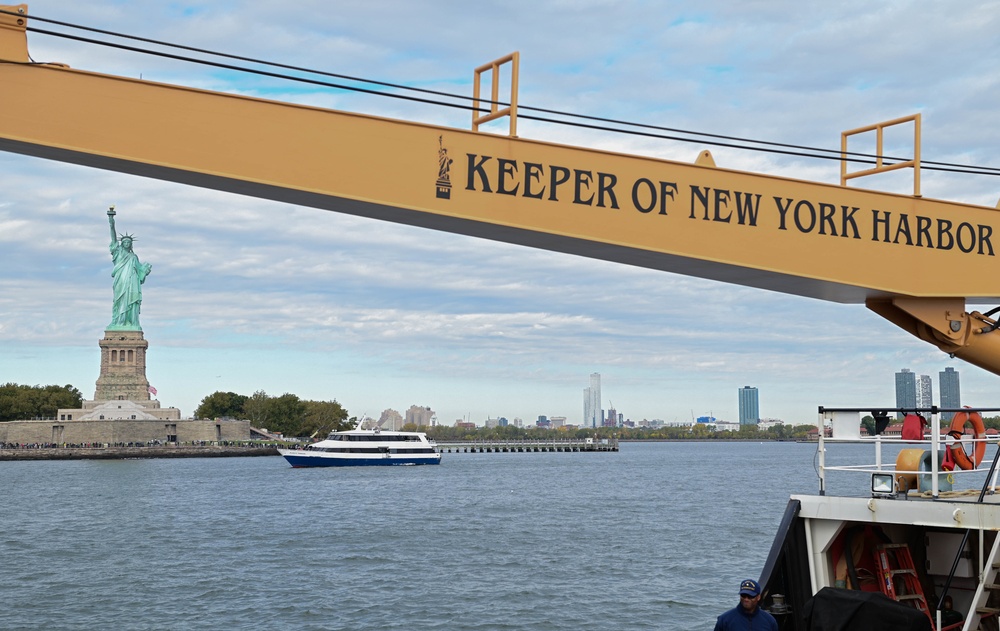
(845, 424)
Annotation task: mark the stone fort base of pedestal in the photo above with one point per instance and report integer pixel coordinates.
(118, 431)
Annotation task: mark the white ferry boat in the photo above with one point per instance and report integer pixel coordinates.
(365, 447)
(912, 545)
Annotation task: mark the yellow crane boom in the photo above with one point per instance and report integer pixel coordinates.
(912, 260)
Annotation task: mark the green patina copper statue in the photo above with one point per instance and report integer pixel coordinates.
(128, 276)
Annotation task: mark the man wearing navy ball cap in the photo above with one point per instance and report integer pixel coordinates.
(747, 614)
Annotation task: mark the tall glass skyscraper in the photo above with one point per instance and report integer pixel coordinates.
(749, 406)
(906, 390)
(593, 416)
(951, 391)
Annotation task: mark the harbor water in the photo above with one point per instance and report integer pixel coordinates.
(656, 536)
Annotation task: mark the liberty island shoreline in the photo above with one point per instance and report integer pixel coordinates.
(133, 452)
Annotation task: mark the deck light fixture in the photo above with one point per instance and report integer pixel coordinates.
(883, 485)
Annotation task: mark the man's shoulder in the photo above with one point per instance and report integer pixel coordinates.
(735, 611)
(726, 616)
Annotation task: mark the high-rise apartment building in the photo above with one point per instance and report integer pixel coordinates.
(951, 392)
(592, 413)
(906, 390)
(421, 416)
(749, 406)
(925, 391)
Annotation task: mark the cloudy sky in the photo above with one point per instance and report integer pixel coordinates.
(250, 295)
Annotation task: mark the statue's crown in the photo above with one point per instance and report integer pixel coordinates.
(127, 236)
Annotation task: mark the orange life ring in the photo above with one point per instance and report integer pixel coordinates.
(957, 430)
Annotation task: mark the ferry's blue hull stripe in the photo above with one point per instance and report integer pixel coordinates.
(307, 461)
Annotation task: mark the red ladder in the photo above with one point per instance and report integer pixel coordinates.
(898, 576)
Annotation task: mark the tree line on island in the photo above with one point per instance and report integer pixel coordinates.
(294, 417)
(285, 414)
(23, 403)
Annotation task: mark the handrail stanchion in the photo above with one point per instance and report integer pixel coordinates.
(821, 451)
(935, 440)
(993, 481)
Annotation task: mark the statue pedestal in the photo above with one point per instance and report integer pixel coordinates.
(123, 367)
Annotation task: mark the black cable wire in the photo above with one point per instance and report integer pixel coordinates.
(838, 156)
(432, 102)
(230, 56)
(264, 73)
(785, 148)
(415, 89)
(871, 158)
(402, 87)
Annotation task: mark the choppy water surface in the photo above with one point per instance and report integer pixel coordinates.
(656, 536)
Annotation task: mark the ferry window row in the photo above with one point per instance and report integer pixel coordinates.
(371, 450)
(375, 438)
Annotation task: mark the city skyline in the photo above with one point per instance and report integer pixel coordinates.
(248, 294)
(916, 391)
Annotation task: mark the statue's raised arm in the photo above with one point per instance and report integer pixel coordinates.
(111, 220)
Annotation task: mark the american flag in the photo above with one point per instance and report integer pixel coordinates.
(152, 390)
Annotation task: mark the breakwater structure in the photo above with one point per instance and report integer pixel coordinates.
(133, 452)
(529, 445)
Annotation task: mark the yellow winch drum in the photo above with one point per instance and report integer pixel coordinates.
(919, 460)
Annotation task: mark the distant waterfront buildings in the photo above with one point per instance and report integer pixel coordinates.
(951, 391)
(592, 412)
(749, 406)
(769, 423)
(611, 420)
(420, 416)
(391, 420)
(906, 390)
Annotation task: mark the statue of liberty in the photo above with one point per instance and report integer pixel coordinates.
(127, 279)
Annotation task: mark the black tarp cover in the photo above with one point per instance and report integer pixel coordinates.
(835, 609)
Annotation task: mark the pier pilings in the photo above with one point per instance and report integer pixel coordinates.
(533, 446)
